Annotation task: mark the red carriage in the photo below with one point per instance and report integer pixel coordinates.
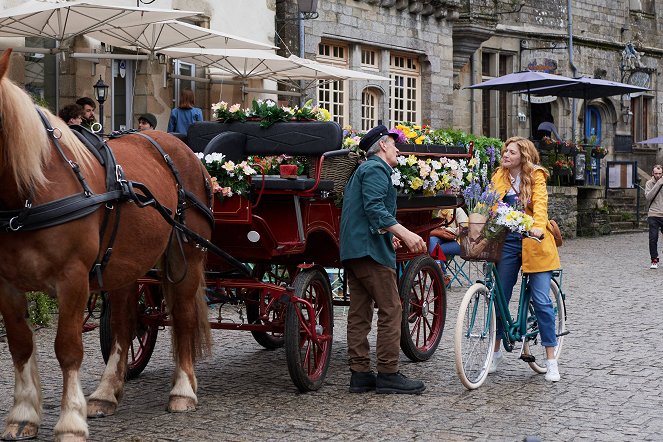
(279, 242)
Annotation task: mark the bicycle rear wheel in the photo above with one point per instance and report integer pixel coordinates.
(532, 346)
(474, 337)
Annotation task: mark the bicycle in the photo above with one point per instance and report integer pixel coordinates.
(475, 333)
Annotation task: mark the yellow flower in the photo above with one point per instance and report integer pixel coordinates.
(416, 127)
(469, 177)
(472, 162)
(411, 134)
(416, 183)
(411, 160)
(419, 140)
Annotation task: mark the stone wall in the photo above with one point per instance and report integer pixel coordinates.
(563, 208)
(593, 219)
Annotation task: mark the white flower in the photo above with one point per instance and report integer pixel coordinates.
(200, 155)
(396, 178)
(235, 107)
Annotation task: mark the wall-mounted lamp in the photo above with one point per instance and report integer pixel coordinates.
(308, 8)
(627, 116)
(162, 58)
(522, 117)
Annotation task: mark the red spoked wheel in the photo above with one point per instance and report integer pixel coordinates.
(309, 330)
(144, 336)
(275, 311)
(424, 301)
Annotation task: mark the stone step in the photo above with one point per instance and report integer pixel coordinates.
(640, 230)
(622, 225)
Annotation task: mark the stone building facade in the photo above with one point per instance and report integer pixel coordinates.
(458, 43)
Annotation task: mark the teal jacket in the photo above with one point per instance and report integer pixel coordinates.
(369, 205)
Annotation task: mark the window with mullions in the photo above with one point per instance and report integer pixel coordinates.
(369, 109)
(405, 104)
(333, 95)
(640, 106)
(369, 59)
(494, 104)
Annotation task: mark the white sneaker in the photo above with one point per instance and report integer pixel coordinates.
(497, 358)
(552, 372)
(654, 265)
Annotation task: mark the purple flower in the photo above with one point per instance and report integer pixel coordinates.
(490, 150)
(401, 135)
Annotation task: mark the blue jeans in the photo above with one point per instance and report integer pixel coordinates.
(539, 285)
(449, 248)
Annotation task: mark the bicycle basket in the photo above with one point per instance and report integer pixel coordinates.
(475, 245)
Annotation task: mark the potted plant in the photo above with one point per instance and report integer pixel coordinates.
(228, 179)
(268, 112)
(599, 152)
(563, 167)
(226, 114)
(568, 147)
(547, 143)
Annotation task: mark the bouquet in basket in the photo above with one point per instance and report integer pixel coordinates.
(489, 221)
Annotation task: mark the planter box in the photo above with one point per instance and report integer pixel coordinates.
(431, 148)
(546, 145)
(428, 202)
(561, 172)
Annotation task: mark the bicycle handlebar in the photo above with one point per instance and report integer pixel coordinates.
(539, 239)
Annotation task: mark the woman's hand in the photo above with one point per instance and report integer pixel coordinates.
(536, 232)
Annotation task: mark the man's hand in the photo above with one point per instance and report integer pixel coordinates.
(412, 241)
(396, 243)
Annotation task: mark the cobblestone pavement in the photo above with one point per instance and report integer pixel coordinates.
(610, 390)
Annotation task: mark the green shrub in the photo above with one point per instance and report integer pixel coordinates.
(41, 308)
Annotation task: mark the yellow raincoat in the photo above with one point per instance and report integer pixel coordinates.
(537, 256)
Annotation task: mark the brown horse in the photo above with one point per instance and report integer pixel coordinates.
(58, 259)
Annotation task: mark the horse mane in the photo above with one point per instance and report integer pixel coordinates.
(25, 142)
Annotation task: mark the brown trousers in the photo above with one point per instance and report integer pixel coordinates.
(371, 282)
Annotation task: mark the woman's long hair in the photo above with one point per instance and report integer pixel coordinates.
(529, 160)
(187, 99)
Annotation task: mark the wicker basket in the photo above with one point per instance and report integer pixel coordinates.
(337, 169)
(474, 246)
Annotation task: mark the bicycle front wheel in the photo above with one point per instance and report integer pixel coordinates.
(532, 345)
(474, 338)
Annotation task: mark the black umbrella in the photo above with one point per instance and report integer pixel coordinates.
(588, 89)
(523, 82)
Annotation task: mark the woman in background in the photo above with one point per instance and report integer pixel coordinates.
(181, 117)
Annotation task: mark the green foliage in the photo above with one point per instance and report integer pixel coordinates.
(39, 101)
(41, 308)
(268, 112)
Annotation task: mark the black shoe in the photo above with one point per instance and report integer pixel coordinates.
(362, 381)
(397, 383)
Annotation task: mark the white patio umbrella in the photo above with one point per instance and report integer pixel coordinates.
(63, 20)
(256, 64)
(172, 33)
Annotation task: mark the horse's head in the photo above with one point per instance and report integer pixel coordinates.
(25, 146)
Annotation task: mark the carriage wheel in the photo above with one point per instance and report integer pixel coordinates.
(308, 355)
(144, 336)
(424, 301)
(274, 274)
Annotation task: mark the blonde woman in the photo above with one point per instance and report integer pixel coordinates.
(521, 181)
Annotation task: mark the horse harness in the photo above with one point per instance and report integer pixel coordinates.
(118, 190)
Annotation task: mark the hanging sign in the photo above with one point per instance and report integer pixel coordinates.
(539, 100)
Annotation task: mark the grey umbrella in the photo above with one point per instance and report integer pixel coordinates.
(656, 140)
(523, 82)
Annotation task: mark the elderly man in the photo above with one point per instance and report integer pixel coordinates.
(369, 236)
(654, 197)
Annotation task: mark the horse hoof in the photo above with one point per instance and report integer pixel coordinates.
(70, 437)
(100, 408)
(181, 404)
(20, 431)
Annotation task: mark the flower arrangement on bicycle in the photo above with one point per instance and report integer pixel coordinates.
(489, 221)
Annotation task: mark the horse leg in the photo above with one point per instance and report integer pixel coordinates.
(73, 292)
(190, 334)
(105, 399)
(25, 415)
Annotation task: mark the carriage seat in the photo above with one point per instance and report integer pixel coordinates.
(275, 182)
(239, 140)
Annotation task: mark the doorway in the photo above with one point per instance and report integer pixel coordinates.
(123, 94)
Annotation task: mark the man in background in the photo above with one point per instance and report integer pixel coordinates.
(655, 215)
(147, 121)
(89, 107)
